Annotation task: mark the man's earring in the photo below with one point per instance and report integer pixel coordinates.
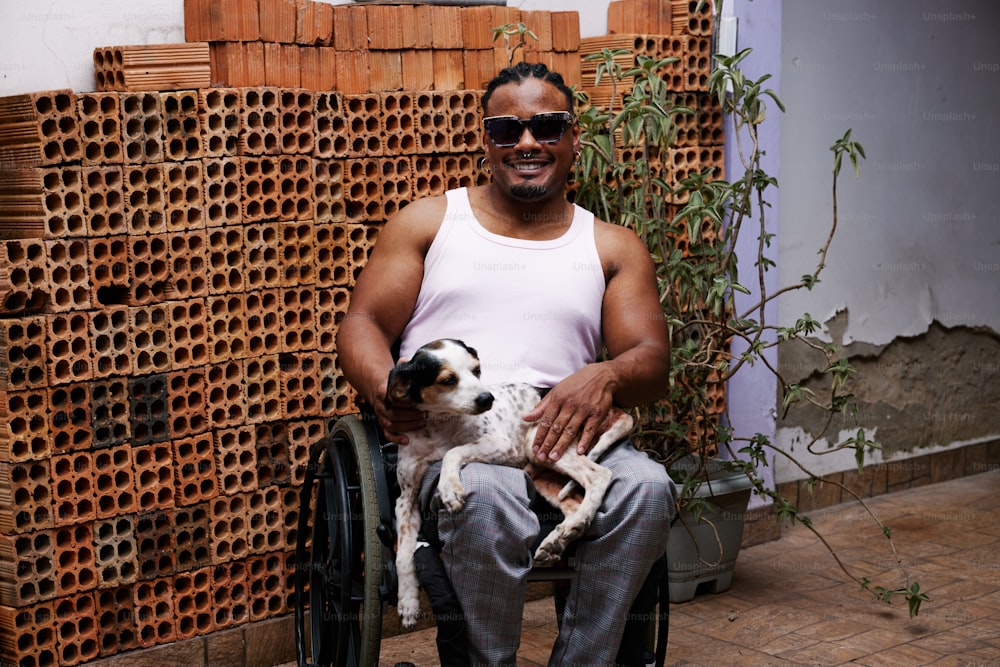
(484, 164)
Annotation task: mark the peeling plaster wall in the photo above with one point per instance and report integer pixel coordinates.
(916, 259)
(923, 393)
(50, 45)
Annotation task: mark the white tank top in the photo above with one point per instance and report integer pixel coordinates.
(532, 309)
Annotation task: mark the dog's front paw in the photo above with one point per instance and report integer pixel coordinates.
(409, 611)
(452, 494)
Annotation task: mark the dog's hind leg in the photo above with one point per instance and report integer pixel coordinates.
(594, 479)
(618, 430)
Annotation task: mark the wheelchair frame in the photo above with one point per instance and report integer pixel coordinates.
(345, 562)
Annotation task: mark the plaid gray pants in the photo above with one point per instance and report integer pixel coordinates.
(487, 551)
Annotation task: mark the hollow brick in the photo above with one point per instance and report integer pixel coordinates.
(116, 551)
(104, 200)
(186, 399)
(154, 611)
(24, 425)
(68, 347)
(114, 481)
(76, 628)
(220, 121)
(154, 541)
(331, 255)
(188, 333)
(24, 275)
(337, 396)
(228, 523)
(149, 327)
(397, 184)
(328, 191)
(142, 127)
(329, 125)
(362, 190)
(191, 537)
(193, 603)
(265, 521)
(225, 260)
(100, 128)
(226, 394)
(271, 443)
(73, 497)
(221, 189)
(111, 342)
(27, 635)
(75, 560)
(230, 594)
(115, 612)
(262, 375)
(28, 573)
(108, 261)
(143, 186)
(67, 275)
(149, 269)
(265, 584)
(260, 130)
(331, 306)
(263, 323)
(110, 415)
(302, 435)
(296, 253)
(261, 262)
(154, 476)
(226, 327)
(236, 459)
(40, 128)
(194, 470)
(149, 409)
(63, 203)
(182, 124)
(69, 417)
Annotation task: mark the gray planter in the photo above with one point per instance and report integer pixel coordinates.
(695, 561)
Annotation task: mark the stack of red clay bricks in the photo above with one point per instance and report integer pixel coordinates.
(174, 260)
(660, 29)
(174, 265)
(371, 48)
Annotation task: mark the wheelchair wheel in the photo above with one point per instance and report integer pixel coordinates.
(346, 559)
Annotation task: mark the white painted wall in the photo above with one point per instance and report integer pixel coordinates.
(919, 236)
(50, 45)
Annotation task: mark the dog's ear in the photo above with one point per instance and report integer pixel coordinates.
(471, 350)
(398, 387)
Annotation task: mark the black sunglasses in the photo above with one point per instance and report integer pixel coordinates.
(546, 128)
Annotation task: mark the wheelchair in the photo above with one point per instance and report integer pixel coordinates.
(345, 564)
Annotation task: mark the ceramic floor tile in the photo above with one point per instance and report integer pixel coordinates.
(789, 604)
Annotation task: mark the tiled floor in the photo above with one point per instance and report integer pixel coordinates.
(789, 604)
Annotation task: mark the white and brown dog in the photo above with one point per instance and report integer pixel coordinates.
(469, 421)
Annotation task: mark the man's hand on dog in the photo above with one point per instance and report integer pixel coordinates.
(398, 419)
(575, 411)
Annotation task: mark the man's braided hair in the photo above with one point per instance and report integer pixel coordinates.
(522, 71)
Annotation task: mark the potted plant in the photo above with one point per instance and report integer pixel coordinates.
(691, 223)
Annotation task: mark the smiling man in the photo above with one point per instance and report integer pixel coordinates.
(540, 288)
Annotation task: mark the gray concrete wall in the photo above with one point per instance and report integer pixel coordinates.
(912, 279)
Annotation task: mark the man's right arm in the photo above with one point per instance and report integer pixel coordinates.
(382, 303)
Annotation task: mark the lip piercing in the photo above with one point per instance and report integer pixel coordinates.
(525, 156)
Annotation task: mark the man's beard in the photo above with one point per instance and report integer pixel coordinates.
(528, 191)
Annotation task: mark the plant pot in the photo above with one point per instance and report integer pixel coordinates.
(701, 554)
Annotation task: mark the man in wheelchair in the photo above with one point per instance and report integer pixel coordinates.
(540, 288)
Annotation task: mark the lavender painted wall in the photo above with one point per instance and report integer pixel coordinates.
(752, 391)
